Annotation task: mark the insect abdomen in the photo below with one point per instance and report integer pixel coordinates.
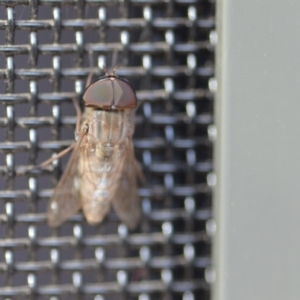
(103, 164)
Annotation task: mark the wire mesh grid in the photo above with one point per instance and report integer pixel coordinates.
(166, 50)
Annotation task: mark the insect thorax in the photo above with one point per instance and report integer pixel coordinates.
(108, 130)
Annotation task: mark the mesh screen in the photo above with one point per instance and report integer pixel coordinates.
(165, 50)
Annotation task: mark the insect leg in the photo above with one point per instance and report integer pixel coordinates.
(78, 116)
(50, 160)
(63, 152)
(59, 155)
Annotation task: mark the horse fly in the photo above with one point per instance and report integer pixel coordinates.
(102, 168)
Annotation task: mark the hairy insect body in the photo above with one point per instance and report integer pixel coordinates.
(102, 164)
(102, 169)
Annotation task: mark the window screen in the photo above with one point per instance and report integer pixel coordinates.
(165, 49)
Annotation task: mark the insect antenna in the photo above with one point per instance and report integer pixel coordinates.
(114, 60)
(106, 71)
(114, 70)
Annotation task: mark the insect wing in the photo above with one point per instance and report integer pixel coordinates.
(65, 201)
(126, 201)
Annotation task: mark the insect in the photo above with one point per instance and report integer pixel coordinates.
(102, 169)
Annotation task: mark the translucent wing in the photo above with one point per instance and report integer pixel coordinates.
(126, 201)
(65, 201)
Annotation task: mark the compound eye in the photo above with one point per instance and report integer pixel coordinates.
(124, 95)
(99, 94)
(110, 93)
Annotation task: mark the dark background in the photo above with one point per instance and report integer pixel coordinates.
(169, 60)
